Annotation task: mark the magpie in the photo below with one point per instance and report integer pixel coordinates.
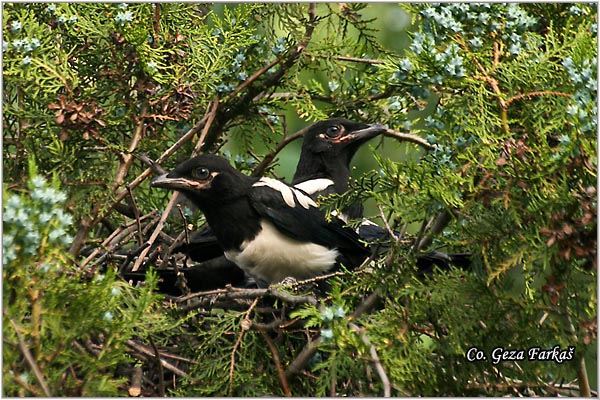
(323, 169)
(327, 150)
(269, 229)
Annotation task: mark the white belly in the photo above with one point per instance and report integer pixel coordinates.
(272, 257)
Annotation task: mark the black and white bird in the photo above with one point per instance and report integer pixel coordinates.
(323, 169)
(269, 229)
(327, 150)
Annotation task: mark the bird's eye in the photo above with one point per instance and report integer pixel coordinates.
(333, 131)
(201, 173)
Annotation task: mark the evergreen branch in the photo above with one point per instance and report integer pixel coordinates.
(55, 73)
(492, 82)
(30, 360)
(311, 348)
(349, 59)
(236, 106)
(536, 94)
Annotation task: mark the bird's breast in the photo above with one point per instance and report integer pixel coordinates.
(271, 256)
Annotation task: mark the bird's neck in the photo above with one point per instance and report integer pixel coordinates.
(232, 222)
(335, 169)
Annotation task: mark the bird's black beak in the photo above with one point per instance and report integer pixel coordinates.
(367, 133)
(178, 183)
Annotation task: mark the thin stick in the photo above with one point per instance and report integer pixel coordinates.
(375, 359)
(136, 382)
(259, 169)
(349, 59)
(136, 211)
(127, 158)
(284, 383)
(30, 360)
(161, 378)
(302, 359)
(385, 222)
(154, 235)
(143, 350)
(246, 323)
(148, 171)
(407, 137)
(211, 117)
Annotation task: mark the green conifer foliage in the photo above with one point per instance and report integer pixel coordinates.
(502, 96)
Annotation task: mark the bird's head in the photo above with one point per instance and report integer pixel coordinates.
(328, 148)
(336, 136)
(204, 179)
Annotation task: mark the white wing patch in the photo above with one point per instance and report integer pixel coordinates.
(289, 194)
(314, 185)
(271, 256)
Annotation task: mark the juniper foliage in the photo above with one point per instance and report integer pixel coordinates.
(505, 94)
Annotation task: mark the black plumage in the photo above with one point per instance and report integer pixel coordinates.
(269, 229)
(323, 168)
(327, 150)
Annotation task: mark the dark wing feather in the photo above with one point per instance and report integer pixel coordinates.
(302, 224)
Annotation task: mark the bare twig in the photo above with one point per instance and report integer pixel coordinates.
(439, 223)
(149, 353)
(260, 168)
(385, 222)
(349, 59)
(211, 117)
(161, 377)
(367, 304)
(302, 359)
(27, 386)
(111, 242)
(236, 293)
(375, 359)
(407, 137)
(284, 383)
(536, 94)
(136, 211)
(246, 323)
(154, 235)
(136, 382)
(30, 360)
(127, 157)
